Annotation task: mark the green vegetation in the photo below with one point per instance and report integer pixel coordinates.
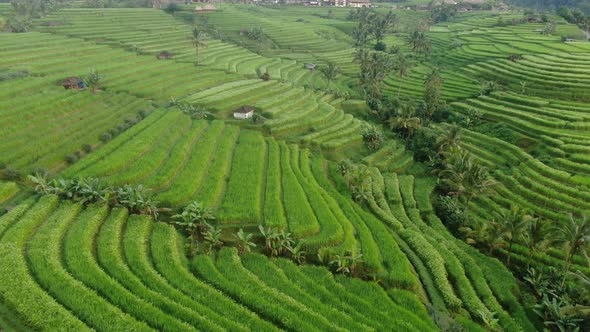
(413, 169)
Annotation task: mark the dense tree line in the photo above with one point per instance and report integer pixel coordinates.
(575, 16)
(583, 5)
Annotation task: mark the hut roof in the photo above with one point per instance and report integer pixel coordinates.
(245, 109)
(72, 80)
(165, 55)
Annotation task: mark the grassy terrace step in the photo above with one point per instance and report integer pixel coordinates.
(258, 286)
(540, 185)
(171, 263)
(128, 30)
(110, 255)
(453, 273)
(19, 288)
(246, 178)
(7, 190)
(125, 272)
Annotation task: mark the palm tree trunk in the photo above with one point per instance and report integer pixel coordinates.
(466, 210)
(509, 253)
(399, 88)
(568, 264)
(529, 258)
(197, 54)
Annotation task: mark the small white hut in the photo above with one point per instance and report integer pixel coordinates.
(244, 112)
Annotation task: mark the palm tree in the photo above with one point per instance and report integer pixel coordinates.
(464, 178)
(535, 237)
(494, 235)
(330, 71)
(405, 120)
(419, 42)
(244, 242)
(515, 222)
(358, 181)
(347, 264)
(360, 34)
(212, 236)
(198, 39)
(297, 253)
(574, 238)
(276, 242)
(402, 67)
(193, 219)
(373, 137)
(450, 138)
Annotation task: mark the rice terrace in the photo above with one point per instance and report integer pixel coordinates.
(295, 165)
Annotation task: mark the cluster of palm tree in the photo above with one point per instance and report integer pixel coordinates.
(330, 71)
(357, 178)
(463, 177)
(348, 264)
(443, 13)
(403, 117)
(196, 112)
(203, 236)
(420, 42)
(136, 199)
(374, 68)
(562, 305)
(371, 24)
(373, 137)
(256, 34)
(24, 11)
(279, 243)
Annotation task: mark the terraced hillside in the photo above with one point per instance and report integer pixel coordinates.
(122, 272)
(478, 47)
(456, 277)
(150, 32)
(128, 78)
(247, 178)
(127, 272)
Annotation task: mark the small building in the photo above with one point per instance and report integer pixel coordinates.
(165, 55)
(205, 9)
(244, 112)
(359, 3)
(73, 83)
(310, 66)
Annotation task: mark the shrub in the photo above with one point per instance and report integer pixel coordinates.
(380, 46)
(265, 76)
(87, 148)
(131, 122)
(143, 114)
(105, 137)
(71, 158)
(497, 130)
(40, 171)
(450, 211)
(12, 174)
